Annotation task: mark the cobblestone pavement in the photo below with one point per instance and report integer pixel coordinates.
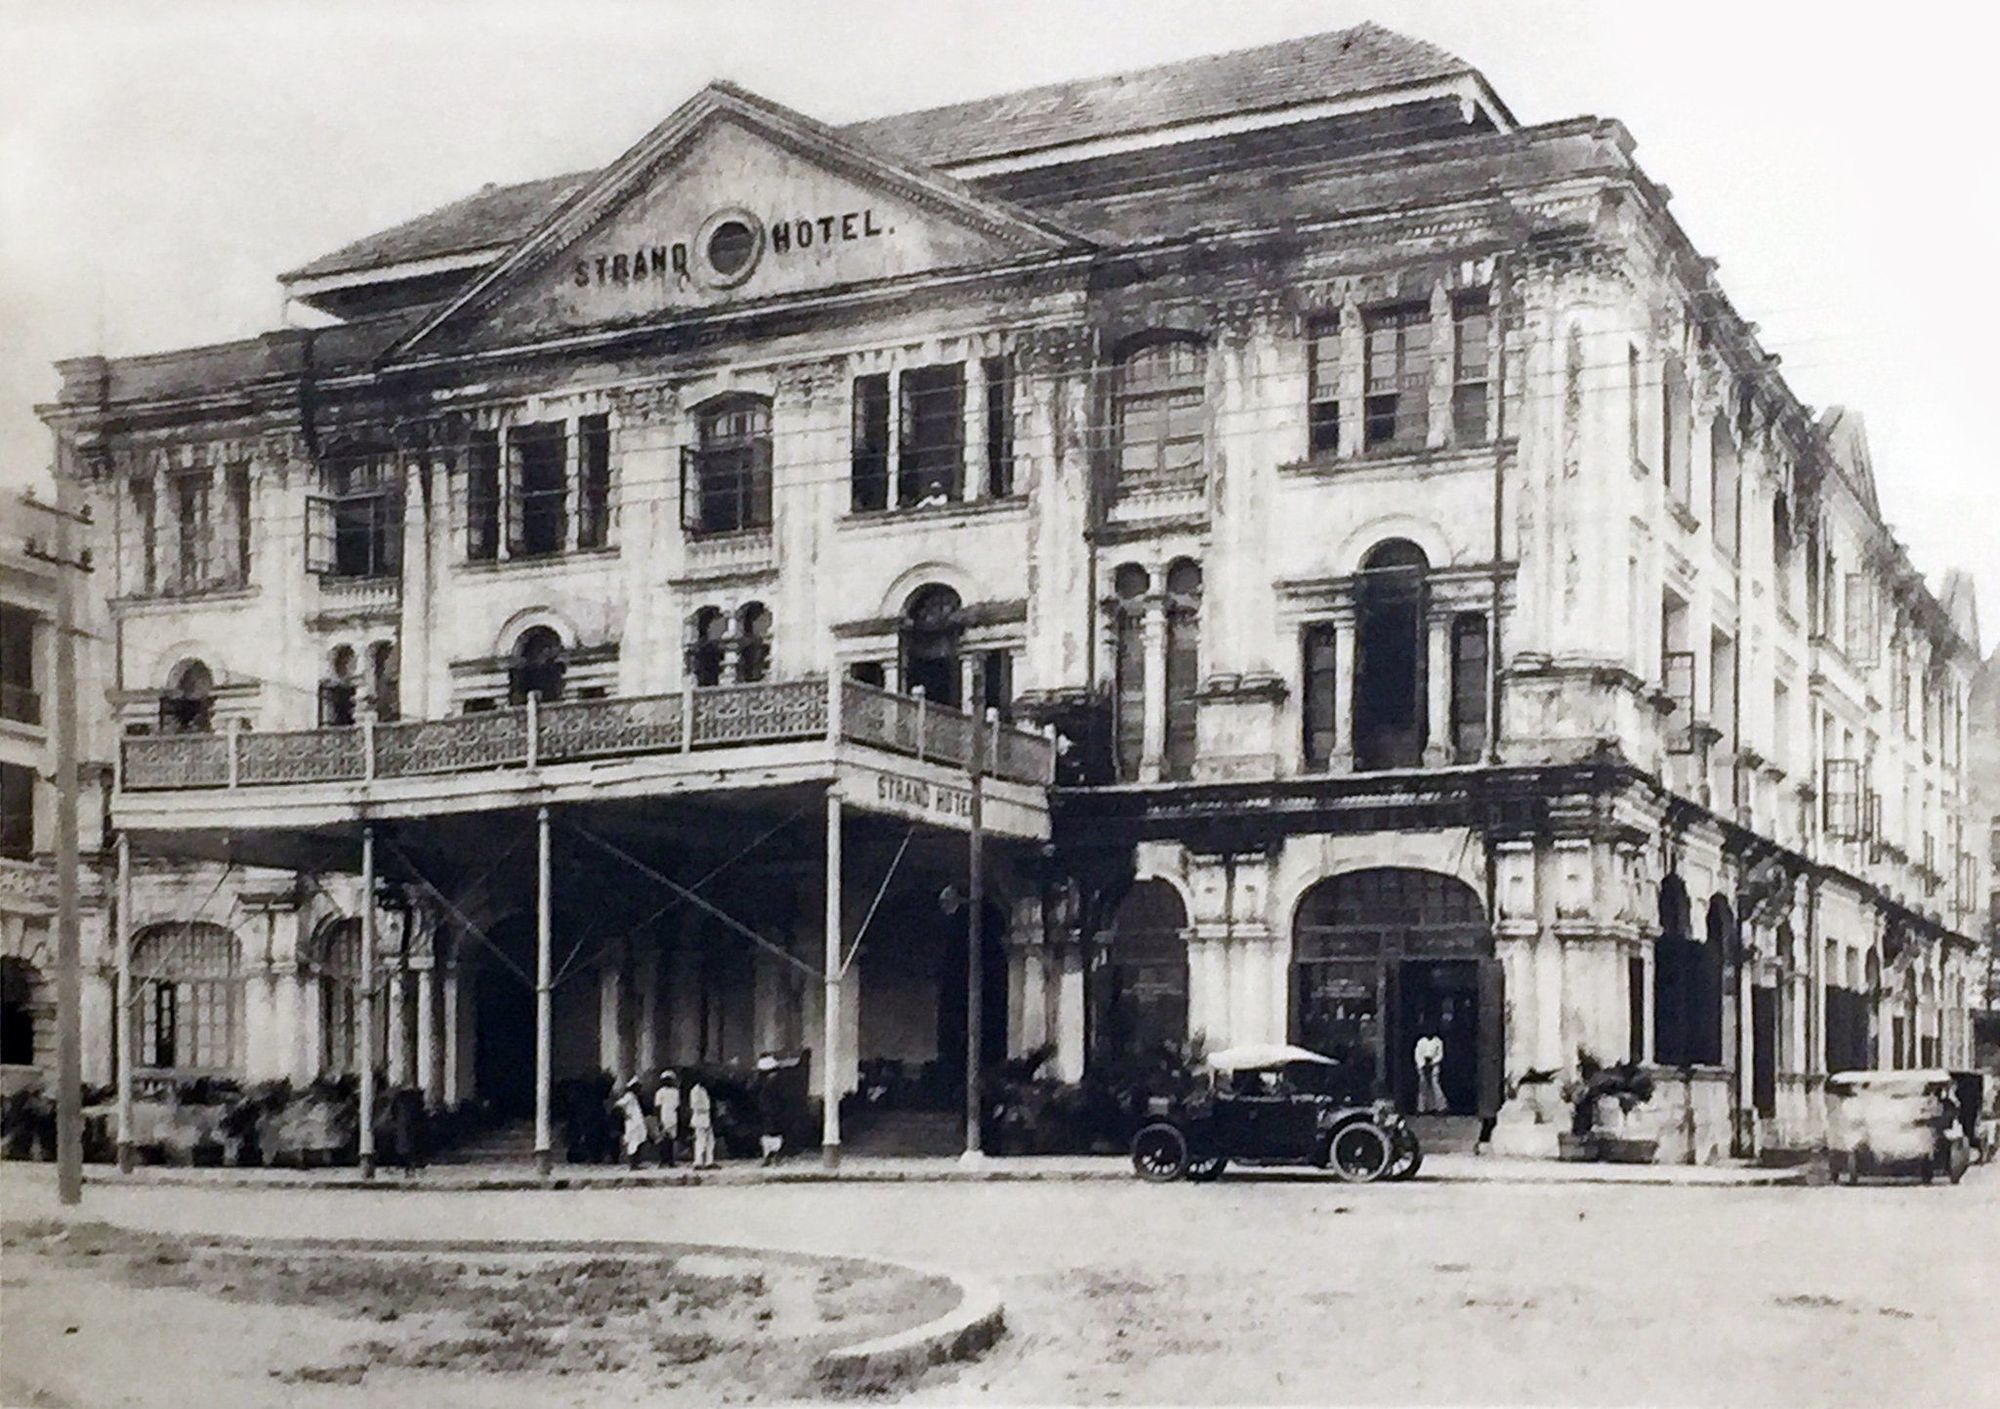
(1290, 1288)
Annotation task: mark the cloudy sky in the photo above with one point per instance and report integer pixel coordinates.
(160, 164)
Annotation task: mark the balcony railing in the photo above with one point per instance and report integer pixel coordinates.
(574, 731)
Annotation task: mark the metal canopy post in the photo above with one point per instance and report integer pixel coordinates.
(122, 1022)
(975, 967)
(366, 1130)
(544, 1154)
(829, 1138)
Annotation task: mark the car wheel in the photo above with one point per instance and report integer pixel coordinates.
(1407, 1156)
(1359, 1152)
(1207, 1171)
(1160, 1154)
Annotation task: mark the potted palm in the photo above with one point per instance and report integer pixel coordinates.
(1600, 1090)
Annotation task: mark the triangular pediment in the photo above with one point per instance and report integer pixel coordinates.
(732, 199)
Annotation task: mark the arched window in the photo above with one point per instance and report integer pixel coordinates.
(334, 966)
(1390, 721)
(931, 630)
(188, 988)
(1687, 979)
(538, 667)
(1129, 584)
(1143, 984)
(336, 690)
(1183, 666)
(1160, 411)
(706, 634)
(23, 1008)
(188, 705)
(726, 473)
(753, 629)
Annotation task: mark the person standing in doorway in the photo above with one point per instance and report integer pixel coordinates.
(1429, 1055)
(667, 1116)
(632, 1112)
(701, 1124)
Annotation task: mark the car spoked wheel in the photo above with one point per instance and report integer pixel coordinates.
(1359, 1153)
(1160, 1154)
(1207, 1171)
(1406, 1156)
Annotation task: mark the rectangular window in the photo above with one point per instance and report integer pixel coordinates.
(20, 700)
(1675, 429)
(1397, 407)
(996, 682)
(1472, 332)
(319, 534)
(1319, 706)
(869, 672)
(538, 516)
(238, 483)
(1722, 687)
(1183, 678)
(1841, 798)
(930, 460)
(1860, 620)
(17, 811)
(593, 513)
(999, 426)
(191, 522)
(482, 497)
(1724, 485)
(145, 528)
(1468, 687)
(869, 482)
(1781, 724)
(1323, 386)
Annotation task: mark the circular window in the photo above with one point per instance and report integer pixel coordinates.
(730, 242)
(730, 247)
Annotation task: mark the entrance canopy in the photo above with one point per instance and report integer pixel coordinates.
(704, 760)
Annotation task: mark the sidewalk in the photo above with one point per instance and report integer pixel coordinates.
(806, 1169)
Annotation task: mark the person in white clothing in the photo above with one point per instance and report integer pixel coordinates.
(667, 1115)
(632, 1110)
(1429, 1056)
(701, 1124)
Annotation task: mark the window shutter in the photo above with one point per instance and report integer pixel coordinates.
(319, 534)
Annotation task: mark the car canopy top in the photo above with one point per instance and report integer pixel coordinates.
(1255, 1055)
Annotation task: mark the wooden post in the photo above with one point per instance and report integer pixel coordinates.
(366, 1131)
(544, 1153)
(829, 1140)
(121, 1023)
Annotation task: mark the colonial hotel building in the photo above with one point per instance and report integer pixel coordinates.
(1407, 598)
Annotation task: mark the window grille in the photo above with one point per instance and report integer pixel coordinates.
(1323, 386)
(538, 490)
(188, 990)
(482, 497)
(1468, 687)
(1677, 669)
(191, 507)
(999, 426)
(1320, 707)
(1161, 411)
(1842, 798)
(869, 482)
(1183, 668)
(593, 527)
(726, 473)
(930, 455)
(1472, 331)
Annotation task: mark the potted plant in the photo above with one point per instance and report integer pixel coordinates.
(1621, 1086)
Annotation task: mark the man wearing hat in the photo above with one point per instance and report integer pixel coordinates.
(667, 1115)
(632, 1110)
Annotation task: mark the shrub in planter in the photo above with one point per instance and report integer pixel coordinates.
(1625, 1084)
(28, 1124)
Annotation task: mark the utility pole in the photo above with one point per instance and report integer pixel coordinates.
(69, 960)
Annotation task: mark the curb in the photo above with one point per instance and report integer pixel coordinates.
(963, 1333)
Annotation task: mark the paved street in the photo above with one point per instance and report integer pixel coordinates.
(1296, 1289)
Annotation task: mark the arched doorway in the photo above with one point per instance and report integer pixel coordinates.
(188, 706)
(537, 668)
(1142, 984)
(1389, 673)
(931, 629)
(21, 1012)
(1385, 956)
(334, 965)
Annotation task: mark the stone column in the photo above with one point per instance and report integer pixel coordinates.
(973, 457)
(1437, 747)
(398, 1025)
(1438, 422)
(1154, 746)
(450, 1091)
(1344, 639)
(611, 1054)
(424, 975)
(647, 956)
(1034, 997)
(1069, 1031)
(895, 378)
(1353, 383)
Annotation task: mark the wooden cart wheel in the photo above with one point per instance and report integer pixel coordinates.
(1160, 1154)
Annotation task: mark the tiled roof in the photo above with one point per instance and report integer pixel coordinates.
(1317, 68)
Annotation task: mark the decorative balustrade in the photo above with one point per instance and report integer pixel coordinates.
(726, 716)
(303, 756)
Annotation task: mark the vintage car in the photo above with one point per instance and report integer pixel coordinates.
(1273, 1104)
(1897, 1123)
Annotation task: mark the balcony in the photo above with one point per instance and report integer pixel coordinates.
(725, 738)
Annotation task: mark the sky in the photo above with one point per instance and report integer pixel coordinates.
(161, 164)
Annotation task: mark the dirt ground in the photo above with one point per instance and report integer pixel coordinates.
(433, 1323)
(1263, 1289)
